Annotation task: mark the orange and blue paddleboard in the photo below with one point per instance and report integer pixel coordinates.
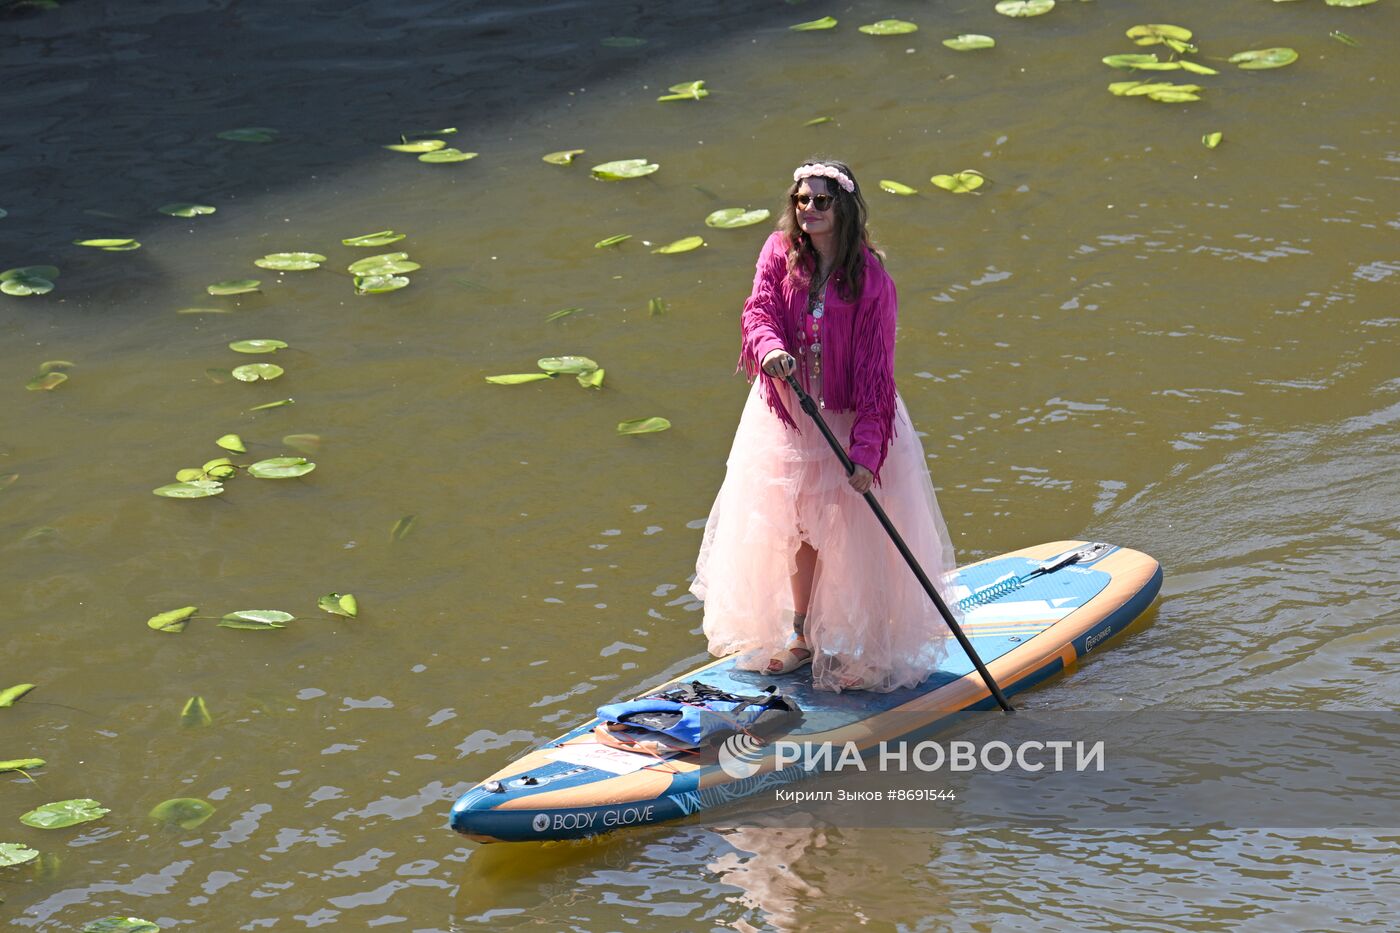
(1029, 614)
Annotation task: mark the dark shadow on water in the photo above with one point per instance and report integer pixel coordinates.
(114, 107)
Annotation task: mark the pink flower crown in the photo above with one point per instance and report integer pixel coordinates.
(822, 170)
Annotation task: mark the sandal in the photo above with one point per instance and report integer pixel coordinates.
(794, 655)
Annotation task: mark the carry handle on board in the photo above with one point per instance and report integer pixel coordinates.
(810, 407)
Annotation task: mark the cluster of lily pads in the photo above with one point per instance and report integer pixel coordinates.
(589, 375)
(208, 480)
(178, 812)
(433, 151)
(1178, 40)
(173, 621)
(964, 182)
(373, 275)
(967, 42)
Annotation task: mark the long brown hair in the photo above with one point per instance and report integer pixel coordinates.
(852, 237)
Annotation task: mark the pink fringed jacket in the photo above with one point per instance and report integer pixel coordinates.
(857, 338)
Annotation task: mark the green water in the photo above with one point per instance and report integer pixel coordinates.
(1125, 336)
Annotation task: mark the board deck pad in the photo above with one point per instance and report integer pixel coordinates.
(574, 786)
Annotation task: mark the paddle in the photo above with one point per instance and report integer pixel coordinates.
(810, 407)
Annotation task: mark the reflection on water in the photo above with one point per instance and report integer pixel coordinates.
(1124, 336)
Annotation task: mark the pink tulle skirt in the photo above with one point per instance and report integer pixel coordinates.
(868, 620)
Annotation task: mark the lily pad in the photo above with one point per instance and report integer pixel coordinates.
(22, 764)
(683, 245)
(1349, 3)
(379, 284)
(15, 853)
(1131, 60)
(256, 620)
(591, 380)
(340, 604)
(447, 155)
(221, 468)
(290, 262)
(1195, 68)
(277, 404)
(306, 443)
(563, 156)
(894, 187)
(1022, 8)
(1260, 59)
(383, 264)
(249, 134)
(1173, 96)
(258, 345)
(418, 145)
(204, 311)
(49, 366)
(562, 313)
(1158, 34)
(963, 182)
(889, 27)
(612, 240)
(64, 813)
(1211, 140)
(121, 925)
(252, 372)
(1163, 91)
(623, 169)
(28, 280)
(195, 713)
(184, 812)
(111, 245)
(10, 694)
(233, 287)
(817, 121)
(969, 42)
(281, 468)
(826, 22)
(198, 489)
(402, 527)
(687, 90)
(232, 442)
(173, 621)
(643, 426)
(47, 382)
(730, 217)
(186, 210)
(567, 365)
(515, 379)
(382, 238)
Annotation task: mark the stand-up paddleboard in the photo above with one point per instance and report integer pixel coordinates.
(1029, 614)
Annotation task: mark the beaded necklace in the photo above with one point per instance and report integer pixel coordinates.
(816, 310)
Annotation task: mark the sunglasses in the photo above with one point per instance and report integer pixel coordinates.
(819, 202)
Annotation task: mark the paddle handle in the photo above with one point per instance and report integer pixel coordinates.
(810, 407)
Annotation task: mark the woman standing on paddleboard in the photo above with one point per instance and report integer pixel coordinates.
(794, 569)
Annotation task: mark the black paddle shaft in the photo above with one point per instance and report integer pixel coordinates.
(810, 407)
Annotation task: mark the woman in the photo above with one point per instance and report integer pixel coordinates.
(794, 568)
